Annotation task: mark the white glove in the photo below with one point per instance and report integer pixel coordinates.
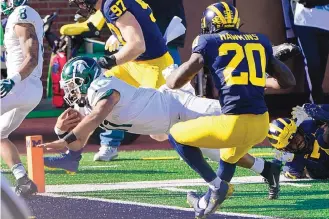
(284, 156)
(169, 70)
(299, 114)
(112, 44)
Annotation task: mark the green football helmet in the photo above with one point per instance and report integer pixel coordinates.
(77, 75)
(8, 6)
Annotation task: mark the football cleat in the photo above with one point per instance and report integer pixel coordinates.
(106, 153)
(218, 196)
(25, 187)
(65, 161)
(193, 201)
(273, 180)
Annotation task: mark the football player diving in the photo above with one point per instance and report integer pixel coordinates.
(306, 137)
(238, 63)
(113, 104)
(142, 57)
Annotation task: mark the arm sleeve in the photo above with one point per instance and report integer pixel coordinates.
(24, 14)
(199, 45)
(98, 90)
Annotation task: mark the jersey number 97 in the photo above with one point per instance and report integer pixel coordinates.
(240, 54)
(118, 8)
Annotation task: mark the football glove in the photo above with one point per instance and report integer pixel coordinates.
(285, 51)
(284, 156)
(6, 85)
(299, 115)
(112, 44)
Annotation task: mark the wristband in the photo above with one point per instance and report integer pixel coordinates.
(69, 138)
(58, 131)
(107, 62)
(16, 77)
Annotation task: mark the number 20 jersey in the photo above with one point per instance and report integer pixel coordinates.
(237, 62)
(15, 56)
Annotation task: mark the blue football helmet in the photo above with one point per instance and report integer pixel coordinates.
(218, 17)
(286, 136)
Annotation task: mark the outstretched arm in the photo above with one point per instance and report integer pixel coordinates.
(185, 73)
(78, 137)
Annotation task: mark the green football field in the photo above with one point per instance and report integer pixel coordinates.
(302, 199)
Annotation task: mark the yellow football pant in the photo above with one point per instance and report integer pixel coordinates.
(233, 134)
(143, 73)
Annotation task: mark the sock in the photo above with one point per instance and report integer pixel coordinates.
(215, 184)
(266, 170)
(74, 154)
(258, 166)
(226, 170)
(18, 170)
(194, 158)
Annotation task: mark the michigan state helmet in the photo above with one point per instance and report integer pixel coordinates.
(219, 16)
(77, 75)
(88, 5)
(8, 6)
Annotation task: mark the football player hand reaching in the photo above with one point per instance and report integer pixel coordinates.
(6, 85)
(69, 119)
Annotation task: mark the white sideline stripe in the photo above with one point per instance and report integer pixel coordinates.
(152, 184)
(174, 189)
(151, 205)
(295, 184)
(94, 167)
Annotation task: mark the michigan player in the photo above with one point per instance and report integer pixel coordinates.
(144, 53)
(307, 138)
(138, 110)
(22, 90)
(238, 63)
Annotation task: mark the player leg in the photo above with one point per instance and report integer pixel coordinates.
(110, 141)
(14, 109)
(196, 107)
(222, 131)
(9, 153)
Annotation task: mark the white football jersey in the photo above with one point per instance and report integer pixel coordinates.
(14, 51)
(148, 111)
(139, 110)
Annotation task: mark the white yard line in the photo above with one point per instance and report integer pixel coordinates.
(157, 184)
(174, 189)
(153, 205)
(95, 167)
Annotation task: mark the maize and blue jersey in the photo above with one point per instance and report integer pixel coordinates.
(237, 62)
(154, 42)
(316, 162)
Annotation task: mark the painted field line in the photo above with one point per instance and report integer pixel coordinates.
(174, 189)
(161, 158)
(261, 154)
(152, 205)
(295, 184)
(150, 184)
(95, 167)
